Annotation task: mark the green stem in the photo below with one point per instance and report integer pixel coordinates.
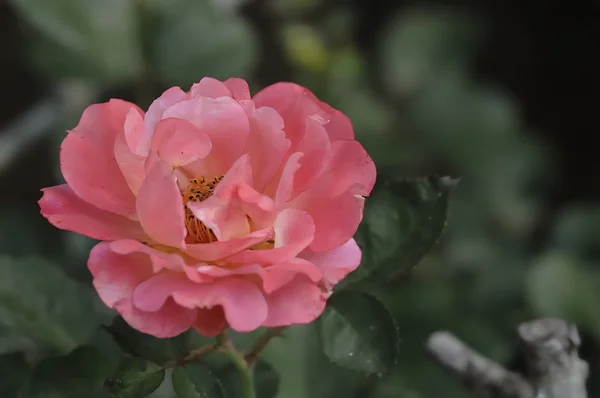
(262, 343)
(240, 363)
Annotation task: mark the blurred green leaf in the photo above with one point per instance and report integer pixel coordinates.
(154, 349)
(560, 285)
(39, 301)
(402, 222)
(305, 48)
(578, 232)
(80, 38)
(359, 333)
(78, 374)
(135, 378)
(422, 41)
(196, 380)
(266, 379)
(194, 41)
(15, 373)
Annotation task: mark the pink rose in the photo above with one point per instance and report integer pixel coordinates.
(215, 209)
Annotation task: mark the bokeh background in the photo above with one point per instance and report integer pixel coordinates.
(502, 93)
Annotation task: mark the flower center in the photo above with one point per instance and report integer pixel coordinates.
(198, 190)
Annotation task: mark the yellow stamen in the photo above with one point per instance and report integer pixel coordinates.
(198, 190)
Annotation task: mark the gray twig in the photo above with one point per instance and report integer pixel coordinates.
(550, 348)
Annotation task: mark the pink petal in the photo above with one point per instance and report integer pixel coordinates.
(178, 142)
(226, 124)
(171, 320)
(243, 303)
(336, 220)
(316, 148)
(210, 322)
(217, 250)
(160, 207)
(336, 263)
(66, 210)
(295, 104)
(221, 212)
(300, 302)
(210, 87)
(152, 294)
(294, 231)
(350, 166)
(115, 277)
(260, 208)
(239, 88)
(159, 259)
(88, 163)
(160, 105)
(131, 165)
(267, 143)
(286, 181)
(278, 275)
(134, 130)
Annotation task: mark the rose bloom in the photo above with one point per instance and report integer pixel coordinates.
(215, 209)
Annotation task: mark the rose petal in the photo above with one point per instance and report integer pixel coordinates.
(67, 211)
(88, 163)
(152, 294)
(160, 207)
(210, 322)
(300, 302)
(278, 275)
(156, 110)
(170, 321)
(286, 181)
(167, 258)
(294, 231)
(239, 88)
(178, 142)
(131, 165)
(243, 304)
(226, 124)
(336, 263)
(210, 87)
(267, 143)
(217, 250)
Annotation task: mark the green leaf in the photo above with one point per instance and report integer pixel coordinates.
(15, 373)
(402, 222)
(359, 333)
(154, 349)
(40, 302)
(135, 378)
(80, 38)
(195, 380)
(79, 374)
(266, 379)
(194, 41)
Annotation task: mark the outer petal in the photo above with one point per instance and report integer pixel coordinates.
(286, 181)
(158, 108)
(160, 207)
(243, 303)
(160, 260)
(295, 103)
(66, 210)
(178, 142)
(115, 278)
(210, 87)
(294, 231)
(337, 263)
(210, 322)
(299, 302)
(88, 163)
(226, 124)
(239, 88)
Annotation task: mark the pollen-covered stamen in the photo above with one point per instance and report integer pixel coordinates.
(198, 190)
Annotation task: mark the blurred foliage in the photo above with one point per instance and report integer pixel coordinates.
(416, 106)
